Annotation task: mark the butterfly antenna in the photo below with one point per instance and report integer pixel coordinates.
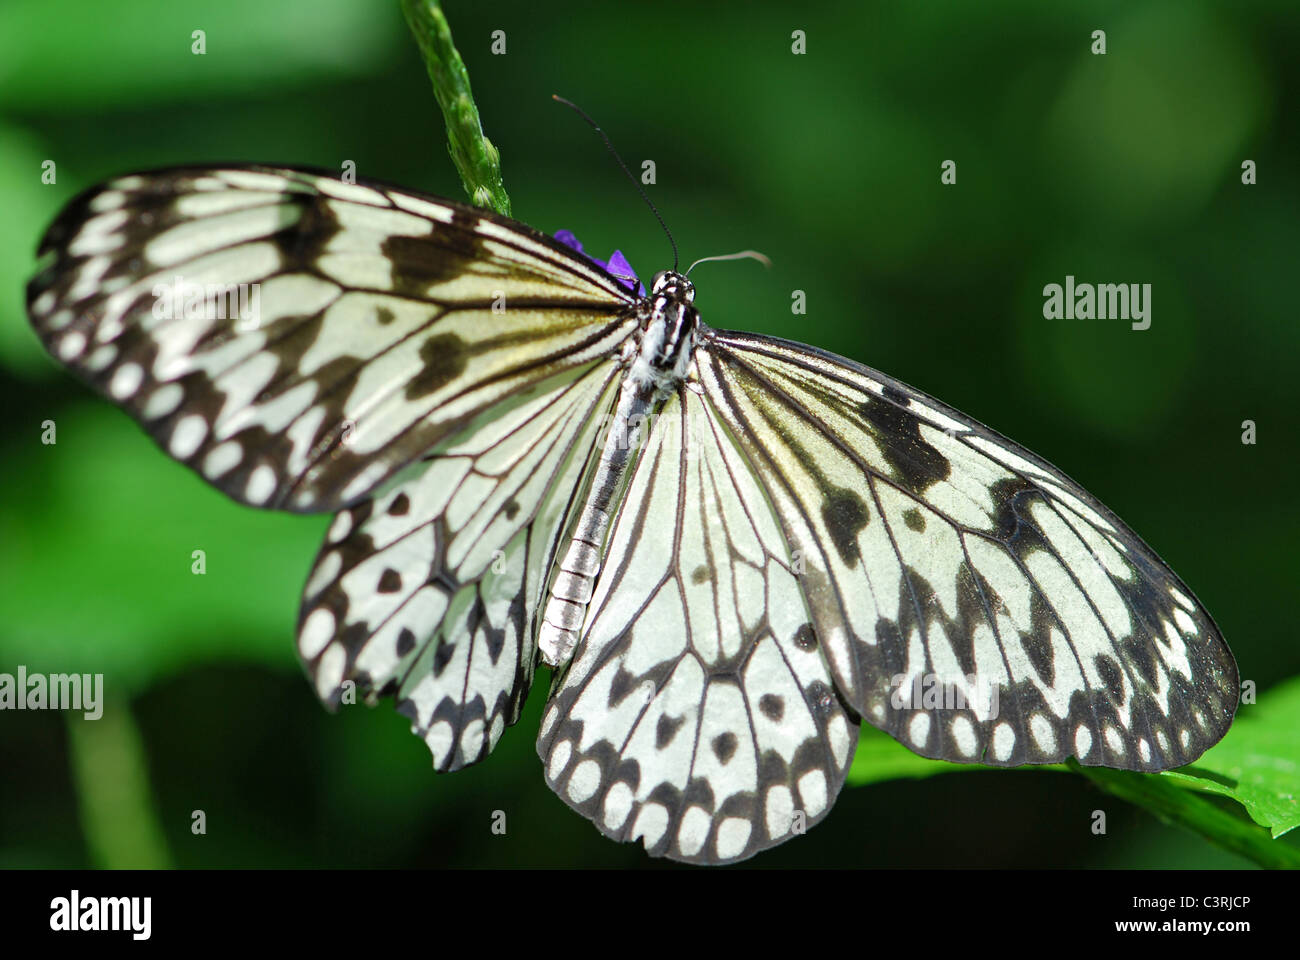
(742, 255)
(610, 147)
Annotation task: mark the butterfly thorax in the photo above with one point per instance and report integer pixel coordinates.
(667, 333)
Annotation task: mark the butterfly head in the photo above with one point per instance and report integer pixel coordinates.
(673, 285)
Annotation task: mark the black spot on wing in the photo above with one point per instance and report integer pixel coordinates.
(898, 434)
(1111, 676)
(622, 685)
(443, 357)
(666, 729)
(307, 231)
(442, 656)
(845, 514)
(1037, 643)
(724, 746)
(821, 698)
(1011, 499)
(890, 649)
(420, 262)
(405, 642)
(1141, 655)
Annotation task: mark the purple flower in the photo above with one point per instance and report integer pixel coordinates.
(617, 265)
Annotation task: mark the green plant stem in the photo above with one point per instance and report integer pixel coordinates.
(1173, 804)
(117, 814)
(476, 159)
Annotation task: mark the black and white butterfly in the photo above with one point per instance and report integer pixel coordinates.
(732, 549)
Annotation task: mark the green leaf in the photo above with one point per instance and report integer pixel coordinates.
(1258, 762)
(1164, 797)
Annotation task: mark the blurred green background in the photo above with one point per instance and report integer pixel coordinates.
(1117, 168)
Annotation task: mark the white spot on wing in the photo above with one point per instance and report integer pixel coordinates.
(163, 401)
(326, 571)
(1004, 741)
(329, 670)
(693, 830)
(651, 823)
(222, 458)
(1040, 728)
(559, 758)
(779, 811)
(1114, 740)
(340, 527)
(918, 731)
(71, 346)
(812, 790)
(583, 781)
(618, 804)
(439, 740)
(261, 484)
(1082, 741)
(963, 734)
(126, 381)
(188, 436)
(317, 630)
(733, 834)
(44, 303)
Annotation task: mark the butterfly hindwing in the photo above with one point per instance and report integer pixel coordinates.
(697, 714)
(297, 340)
(972, 600)
(430, 590)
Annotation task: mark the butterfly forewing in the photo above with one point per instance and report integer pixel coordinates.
(298, 340)
(971, 599)
(698, 715)
(302, 342)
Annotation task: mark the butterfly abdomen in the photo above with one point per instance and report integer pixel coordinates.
(656, 369)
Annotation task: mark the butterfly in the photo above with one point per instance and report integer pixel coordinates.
(730, 550)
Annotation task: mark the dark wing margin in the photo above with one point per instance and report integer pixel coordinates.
(972, 600)
(297, 340)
